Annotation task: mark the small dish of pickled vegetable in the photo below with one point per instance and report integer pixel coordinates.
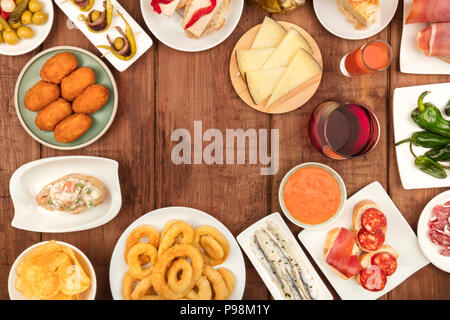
(26, 26)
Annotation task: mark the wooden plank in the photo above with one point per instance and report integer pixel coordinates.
(196, 86)
(371, 91)
(128, 141)
(430, 282)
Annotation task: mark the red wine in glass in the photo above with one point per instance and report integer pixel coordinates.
(344, 130)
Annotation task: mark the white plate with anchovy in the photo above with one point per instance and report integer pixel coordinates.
(280, 261)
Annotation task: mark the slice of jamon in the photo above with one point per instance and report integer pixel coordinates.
(445, 252)
(429, 11)
(434, 40)
(439, 238)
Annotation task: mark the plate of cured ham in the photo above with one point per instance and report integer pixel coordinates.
(399, 243)
(433, 231)
(192, 25)
(425, 45)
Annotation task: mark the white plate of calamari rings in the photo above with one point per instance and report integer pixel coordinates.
(177, 253)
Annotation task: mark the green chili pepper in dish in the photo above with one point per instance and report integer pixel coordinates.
(128, 51)
(447, 109)
(86, 7)
(17, 13)
(429, 117)
(427, 140)
(439, 154)
(429, 166)
(99, 21)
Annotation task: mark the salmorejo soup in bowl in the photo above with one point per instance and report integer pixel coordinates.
(312, 195)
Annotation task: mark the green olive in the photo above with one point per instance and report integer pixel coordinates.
(26, 17)
(35, 6)
(39, 18)
(10, 37)
(95, 15)
(25, 32)
(16, 25)
(119, 43)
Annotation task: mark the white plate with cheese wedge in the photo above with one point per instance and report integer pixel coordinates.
(209, 31)
(276, 67)
(368, 21)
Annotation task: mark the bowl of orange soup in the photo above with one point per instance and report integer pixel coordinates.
(312, 195)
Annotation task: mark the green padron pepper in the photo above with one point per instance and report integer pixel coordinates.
(103, 22)
(129, 49)
(447, 109)
(85, 8)
(439, 154)
(429, 166)
(429, 117)
(427, 140)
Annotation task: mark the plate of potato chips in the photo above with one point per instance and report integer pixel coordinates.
(52, 270)
(66, 98)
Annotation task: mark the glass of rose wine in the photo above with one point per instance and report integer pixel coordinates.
(344, 130)
(372, 57)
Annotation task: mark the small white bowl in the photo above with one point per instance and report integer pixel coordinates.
(341, 186)
(89, 294)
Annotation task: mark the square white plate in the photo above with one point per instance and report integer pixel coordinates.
(399, 235)
(143, 41)
(246, 238)
(412, 60)
(405, 101)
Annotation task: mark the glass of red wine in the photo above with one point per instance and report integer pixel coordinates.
(344, 130)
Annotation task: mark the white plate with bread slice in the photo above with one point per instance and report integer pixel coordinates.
(379, 265)
(355, 20)
(276, 67)
(180, 25)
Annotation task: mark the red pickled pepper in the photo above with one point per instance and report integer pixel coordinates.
(200, 13)
(6, 15)
(156, 7)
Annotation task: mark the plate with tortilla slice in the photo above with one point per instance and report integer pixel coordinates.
(192, 25)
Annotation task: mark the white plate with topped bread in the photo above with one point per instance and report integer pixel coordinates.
(355, 19)
(177, 24)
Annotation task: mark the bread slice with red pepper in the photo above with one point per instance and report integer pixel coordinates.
(202, 17)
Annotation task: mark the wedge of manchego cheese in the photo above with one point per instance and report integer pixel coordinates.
(269, 35)
(252, 59)
(301, 68)
(261, 83)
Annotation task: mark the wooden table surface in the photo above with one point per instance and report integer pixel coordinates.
(167, 89)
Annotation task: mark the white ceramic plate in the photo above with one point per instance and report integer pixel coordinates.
(335, 22)
(89, 294)
(144, 42)
(412, 60)
(399, 235)
(429, 249)
(40, 34)
(170, 32)
(335, 176)
(28, 180)
(246, 238)
(405, 101)
(158, 218)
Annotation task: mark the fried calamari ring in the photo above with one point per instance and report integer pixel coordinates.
(143, 291)
(219, 240)
(179, 275)
(136, 268)
(167, 226)
(137, 234)
(220, 291)
(127, 285)
(201, 290)
(177, 229)
(158, 274)
(228, 277)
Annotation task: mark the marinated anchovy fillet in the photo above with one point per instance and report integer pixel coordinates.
(286, 268)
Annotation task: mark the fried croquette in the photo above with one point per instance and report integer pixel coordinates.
(58, 67)
(41, 95)
(75, 83)
(72, 128)
(51, 115)
(91, 100)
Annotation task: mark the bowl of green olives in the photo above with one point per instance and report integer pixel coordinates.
(24, 25)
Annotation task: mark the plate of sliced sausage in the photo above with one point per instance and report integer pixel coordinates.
(433, 231)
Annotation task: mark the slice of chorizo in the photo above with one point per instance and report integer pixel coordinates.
(370, 241)
(373, 278)
(374, 221)
(386, 262)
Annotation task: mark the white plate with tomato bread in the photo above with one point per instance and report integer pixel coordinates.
(185, 25)
(425, 25)
(376, 244)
